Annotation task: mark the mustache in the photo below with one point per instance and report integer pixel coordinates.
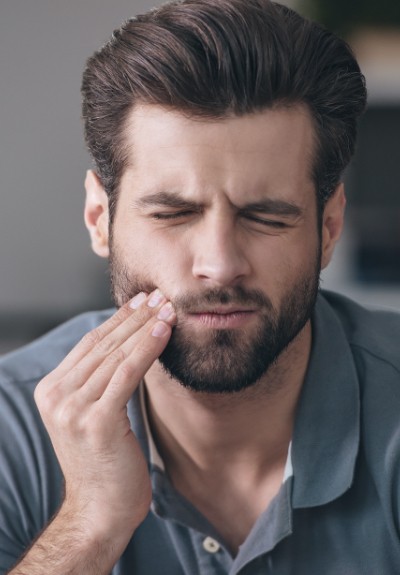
(187, 302)
(235, 295)
(129, 286)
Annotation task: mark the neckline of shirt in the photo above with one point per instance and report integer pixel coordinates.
(155, 458)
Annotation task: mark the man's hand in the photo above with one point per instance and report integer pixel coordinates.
(83, 403)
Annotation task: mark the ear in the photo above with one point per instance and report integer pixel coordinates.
(96, 214)
(332, 223)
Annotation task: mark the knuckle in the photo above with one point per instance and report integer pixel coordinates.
(127, 369)
(142, 315)
(115, 320)
(144, 348)
(122, 314)
(66, 417)
(76, 374)
(114, 359)
(69, 418)
(46, 397)
(38, 393)
(118, 356)
(104, 346)
(96, 338)
(92, 338)
(41, 400)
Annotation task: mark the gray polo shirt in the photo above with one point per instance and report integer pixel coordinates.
(337, 514)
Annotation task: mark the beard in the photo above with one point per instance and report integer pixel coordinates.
(225, 360)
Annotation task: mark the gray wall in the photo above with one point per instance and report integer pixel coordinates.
(47, 266)
(48, 271)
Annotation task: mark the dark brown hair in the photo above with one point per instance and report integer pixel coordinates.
(211, 59)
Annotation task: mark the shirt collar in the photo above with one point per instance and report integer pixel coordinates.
(325, 441)
(154, 456)
(327, 428)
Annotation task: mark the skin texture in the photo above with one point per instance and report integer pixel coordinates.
(204, 202)
(189, 222)
(223, 358)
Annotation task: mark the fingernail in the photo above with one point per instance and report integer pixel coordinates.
(160, 329)
(137, 300)
(166, 311)
(155, 298)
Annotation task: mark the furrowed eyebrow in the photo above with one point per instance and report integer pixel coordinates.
(165, 199)
(274, 207)
(174, 200)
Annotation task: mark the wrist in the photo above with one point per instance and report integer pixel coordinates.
(96, 532)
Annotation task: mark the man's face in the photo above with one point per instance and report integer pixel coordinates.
(221, 216)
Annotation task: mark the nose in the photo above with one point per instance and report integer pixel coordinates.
(219, 258)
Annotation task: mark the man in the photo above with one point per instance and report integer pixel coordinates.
(229, 417)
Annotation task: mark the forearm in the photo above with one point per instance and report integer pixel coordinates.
(68, 547)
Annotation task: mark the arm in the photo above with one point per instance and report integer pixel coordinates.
(66, 548)
(83, 406)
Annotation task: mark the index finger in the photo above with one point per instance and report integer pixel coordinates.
(93, 337)
(132, 370)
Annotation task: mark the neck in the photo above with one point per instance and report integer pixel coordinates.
(248, 430)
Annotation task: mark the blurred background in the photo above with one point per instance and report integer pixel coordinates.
(48, 272)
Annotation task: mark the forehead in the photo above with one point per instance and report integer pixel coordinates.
(270, 150)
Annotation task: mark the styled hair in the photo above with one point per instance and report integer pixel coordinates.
(211, 60)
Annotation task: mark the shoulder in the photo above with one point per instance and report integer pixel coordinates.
(31, 481)
(34, 360)
(374, 339)
(373, 333)
(20, 371)
(373, 336)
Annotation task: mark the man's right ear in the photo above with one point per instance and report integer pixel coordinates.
(96, 214)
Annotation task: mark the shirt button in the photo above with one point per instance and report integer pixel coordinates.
(211, 545)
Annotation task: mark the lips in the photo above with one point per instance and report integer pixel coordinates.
(222, 318)
(221, 310)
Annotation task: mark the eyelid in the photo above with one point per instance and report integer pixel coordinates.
(171, 215)
(266, 222)
(184, 213)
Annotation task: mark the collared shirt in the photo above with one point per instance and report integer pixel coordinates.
(155, 459)
(338, 514)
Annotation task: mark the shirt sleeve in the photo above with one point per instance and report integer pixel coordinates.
(31, 482)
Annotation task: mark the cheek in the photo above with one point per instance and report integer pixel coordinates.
(305, 261)
(150, 256)
(284, 261)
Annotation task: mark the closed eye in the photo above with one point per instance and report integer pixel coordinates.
(265, 222)
(187, 213)
(171, 215)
